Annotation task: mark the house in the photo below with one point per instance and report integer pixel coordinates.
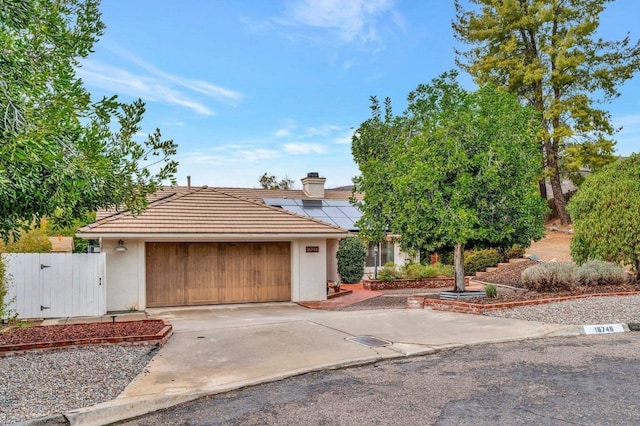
(202, 245)
(328, 205)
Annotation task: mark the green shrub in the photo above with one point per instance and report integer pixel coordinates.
(441, 269)
(490, 291)
(389, 272)
(351, 257)
(514, 252)
(479, 260)
(596, 272)
(415, 271)
(549, 277)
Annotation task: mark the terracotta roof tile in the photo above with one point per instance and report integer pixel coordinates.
(211, 211)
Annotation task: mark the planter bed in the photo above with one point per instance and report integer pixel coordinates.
(56, 336)
(478, 307)
(436, 282)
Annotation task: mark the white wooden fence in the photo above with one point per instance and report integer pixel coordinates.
(54, 285)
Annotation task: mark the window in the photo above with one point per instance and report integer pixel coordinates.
(385, 254)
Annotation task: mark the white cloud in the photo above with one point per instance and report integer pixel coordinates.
(322, 130)
(199, 86)
(256, 154)
(632, 121)
(281, 133)
(304, 148)
(344, 138)
(286, 130)
(153, 84)
(353, 20)
(119, 81)
(229, 154)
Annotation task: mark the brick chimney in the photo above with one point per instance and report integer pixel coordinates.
(313, 185)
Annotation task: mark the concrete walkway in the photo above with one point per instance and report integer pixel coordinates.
(217, 349)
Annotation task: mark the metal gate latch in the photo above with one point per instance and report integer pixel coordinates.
(44, 266)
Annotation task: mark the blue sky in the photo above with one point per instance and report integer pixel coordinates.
(247, 87)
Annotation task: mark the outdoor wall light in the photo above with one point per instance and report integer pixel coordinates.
(120, 247)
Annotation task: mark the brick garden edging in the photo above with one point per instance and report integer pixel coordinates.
(436, 282)
(479, 308)
(160, 337)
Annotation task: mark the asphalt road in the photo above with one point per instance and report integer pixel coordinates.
(586, 380)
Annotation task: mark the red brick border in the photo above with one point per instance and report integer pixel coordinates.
(479, 308)
(160, 337)
(435, 282)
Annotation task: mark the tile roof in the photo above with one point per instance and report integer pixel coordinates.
(254, 194)
(204, 210)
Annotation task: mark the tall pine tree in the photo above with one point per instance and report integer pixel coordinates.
(546, 52)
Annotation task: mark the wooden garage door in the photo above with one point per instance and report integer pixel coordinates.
(213, 273)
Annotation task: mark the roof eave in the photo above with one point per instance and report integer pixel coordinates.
(212, 236)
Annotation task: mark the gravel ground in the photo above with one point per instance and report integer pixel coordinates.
(594, 310)
(36, 384)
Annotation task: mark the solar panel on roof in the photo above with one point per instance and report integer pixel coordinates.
(295, 209)
(334, 212)
(351, 212)
(317, 213)
(279, 201)
(337, 203)
(345, 222)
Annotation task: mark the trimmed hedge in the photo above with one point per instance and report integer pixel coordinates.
(351, 258)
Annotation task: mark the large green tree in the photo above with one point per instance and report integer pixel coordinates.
(456, 168)
(61, 154)
(606, 213)
(546, 52)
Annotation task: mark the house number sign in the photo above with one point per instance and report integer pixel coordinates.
(312, 249)
(603, 329)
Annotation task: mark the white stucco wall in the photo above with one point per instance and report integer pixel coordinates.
(332, 261)
(308, 270)
(125, 275)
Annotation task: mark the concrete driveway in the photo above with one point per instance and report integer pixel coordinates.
(216, 349)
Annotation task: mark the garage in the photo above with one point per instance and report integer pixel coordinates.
(203, 273)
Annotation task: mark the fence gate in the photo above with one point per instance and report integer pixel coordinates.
(53, 285)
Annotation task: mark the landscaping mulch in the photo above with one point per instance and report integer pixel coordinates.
(510, 275)
(77, 332)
